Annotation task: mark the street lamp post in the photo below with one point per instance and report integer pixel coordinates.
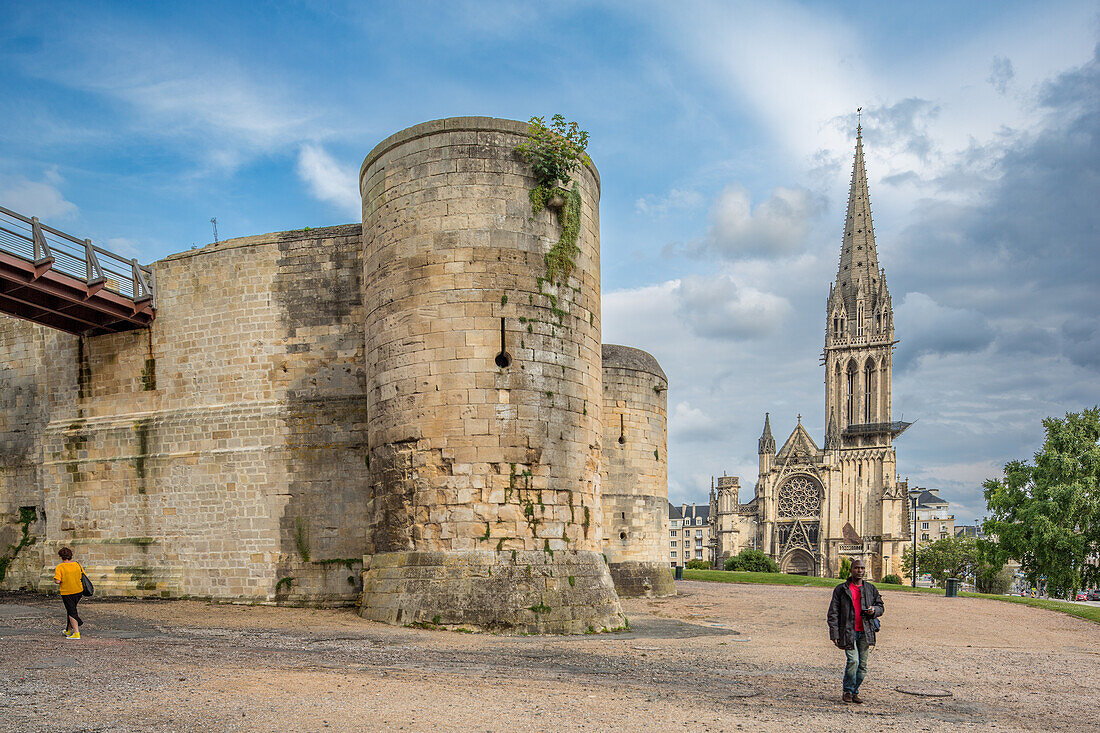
(913, 496)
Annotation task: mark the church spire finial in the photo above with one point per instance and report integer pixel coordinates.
(766, 444)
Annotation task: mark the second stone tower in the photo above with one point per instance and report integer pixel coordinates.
(484, 390)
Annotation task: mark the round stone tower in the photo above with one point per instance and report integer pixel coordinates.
(635, 472)
(484, 389)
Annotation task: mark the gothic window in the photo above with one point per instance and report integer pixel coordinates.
(798, 498)
(869, 386)
(851, 393)
(859, 320)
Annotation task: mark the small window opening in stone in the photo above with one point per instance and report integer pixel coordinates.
(622, 535)
(622, 514)
(504, 359)
(622, 431)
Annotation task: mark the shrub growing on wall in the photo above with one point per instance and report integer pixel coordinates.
(554, 151)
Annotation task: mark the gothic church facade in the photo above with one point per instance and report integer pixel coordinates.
(815, 505)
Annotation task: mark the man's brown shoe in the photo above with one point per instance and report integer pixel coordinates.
(847, 697)
(857, 699)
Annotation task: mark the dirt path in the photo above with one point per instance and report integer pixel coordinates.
(716, 658)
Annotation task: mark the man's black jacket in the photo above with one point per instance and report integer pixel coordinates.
(841, 616)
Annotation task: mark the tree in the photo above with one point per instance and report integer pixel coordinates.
(950, 557)
(1046, 515)
(752, 561)
(698, 565)
(845, 568)
(993, 580)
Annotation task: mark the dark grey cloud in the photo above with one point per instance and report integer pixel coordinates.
(1029, 247)
(931, 328)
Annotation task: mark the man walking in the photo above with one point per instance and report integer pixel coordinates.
(852, 623)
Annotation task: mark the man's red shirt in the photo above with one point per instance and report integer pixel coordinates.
(855, 591)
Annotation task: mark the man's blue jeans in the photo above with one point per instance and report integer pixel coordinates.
(857, 664)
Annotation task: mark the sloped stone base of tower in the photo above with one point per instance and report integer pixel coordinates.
(643, 579)
(523, 592)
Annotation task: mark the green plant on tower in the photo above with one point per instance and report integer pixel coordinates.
(553, 151)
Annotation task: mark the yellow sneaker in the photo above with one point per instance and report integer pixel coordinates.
(73, 636)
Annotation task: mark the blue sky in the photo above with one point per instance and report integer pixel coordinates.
(723, 133)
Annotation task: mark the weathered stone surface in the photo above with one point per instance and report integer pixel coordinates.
(484, 384)
(635, 472)
(522, 592)
(643, 579)
(214, 454)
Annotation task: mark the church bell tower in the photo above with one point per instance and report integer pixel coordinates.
(859, 331)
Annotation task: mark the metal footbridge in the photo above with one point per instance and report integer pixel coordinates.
(58, 280)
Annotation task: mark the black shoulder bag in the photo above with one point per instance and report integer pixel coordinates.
(88, 588)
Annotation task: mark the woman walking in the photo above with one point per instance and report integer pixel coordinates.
(67, 574)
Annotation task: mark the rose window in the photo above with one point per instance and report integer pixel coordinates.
(799, 498)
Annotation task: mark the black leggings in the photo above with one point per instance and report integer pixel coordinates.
(70, 606)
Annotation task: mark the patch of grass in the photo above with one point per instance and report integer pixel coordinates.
(1089, 613)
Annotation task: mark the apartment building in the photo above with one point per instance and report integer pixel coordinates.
(934, 518)
(689, 533)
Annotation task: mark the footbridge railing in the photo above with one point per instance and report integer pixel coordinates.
(61, 281)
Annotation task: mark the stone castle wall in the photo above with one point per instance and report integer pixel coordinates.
(635, 472)
(217, 453)
(484, 388)
(407, 412)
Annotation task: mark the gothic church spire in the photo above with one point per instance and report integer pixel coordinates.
(858, 268)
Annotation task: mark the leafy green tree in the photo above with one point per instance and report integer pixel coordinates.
(1046, 515)
(845, 568)
(991, 579)
(950, 557)
(752, 561)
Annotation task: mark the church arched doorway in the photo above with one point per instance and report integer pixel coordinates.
(798, 562)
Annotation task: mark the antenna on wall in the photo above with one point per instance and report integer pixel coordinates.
(214, 223)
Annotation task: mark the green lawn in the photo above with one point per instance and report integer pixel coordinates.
(1091, 613)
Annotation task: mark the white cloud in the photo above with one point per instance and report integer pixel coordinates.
(38, 198)
(691, 423)
(675, 200)
(774, 228)
(718, 308)
(329, 181)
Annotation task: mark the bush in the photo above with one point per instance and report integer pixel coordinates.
(697, 565)
(752, 561)
(554, 150)
(891, 579)
(845, 568)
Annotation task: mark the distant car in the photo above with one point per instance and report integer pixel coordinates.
(1093, 595)
(1081, 596)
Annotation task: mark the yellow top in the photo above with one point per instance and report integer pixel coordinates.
(69, 575)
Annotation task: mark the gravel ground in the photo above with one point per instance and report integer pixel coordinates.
(717, 657)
